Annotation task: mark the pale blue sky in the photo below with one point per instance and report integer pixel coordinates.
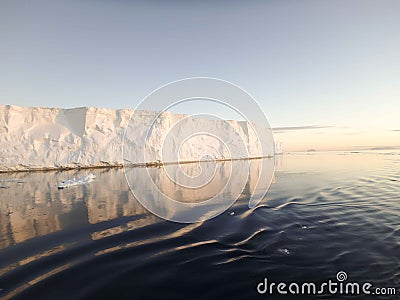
(325, 63)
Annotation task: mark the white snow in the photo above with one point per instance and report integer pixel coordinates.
(53, 138)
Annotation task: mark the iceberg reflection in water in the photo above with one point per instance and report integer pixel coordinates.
(38, 221)
(193, 192)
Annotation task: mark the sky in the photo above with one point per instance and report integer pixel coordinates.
(326, 73)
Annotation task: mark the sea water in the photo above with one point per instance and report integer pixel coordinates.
(324, 213)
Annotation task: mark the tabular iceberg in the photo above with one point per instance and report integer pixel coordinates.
(55, 138)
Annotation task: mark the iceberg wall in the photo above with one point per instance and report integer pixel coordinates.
(55, 138)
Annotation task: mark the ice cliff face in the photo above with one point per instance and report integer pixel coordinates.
(32, 138)
(51, 138)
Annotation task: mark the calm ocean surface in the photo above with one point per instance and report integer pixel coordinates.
(324, 213)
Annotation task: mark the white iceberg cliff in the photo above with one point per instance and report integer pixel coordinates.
(85, 137)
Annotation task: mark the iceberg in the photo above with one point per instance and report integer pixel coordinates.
(35, 138)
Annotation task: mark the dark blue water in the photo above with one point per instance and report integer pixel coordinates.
(324, 213)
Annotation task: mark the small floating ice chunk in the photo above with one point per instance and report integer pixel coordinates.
(76, 181)
(304, 227)
(232, 213)
(283, 251)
